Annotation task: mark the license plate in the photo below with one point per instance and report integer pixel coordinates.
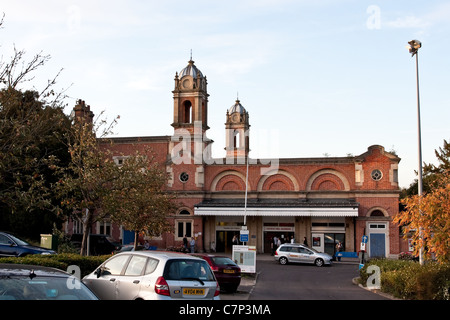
(193, 291)
(228, 271)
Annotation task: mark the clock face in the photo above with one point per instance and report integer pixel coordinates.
(235, 117)
(186, 84)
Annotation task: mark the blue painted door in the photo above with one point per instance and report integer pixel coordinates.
(128, 237)
(377, 245)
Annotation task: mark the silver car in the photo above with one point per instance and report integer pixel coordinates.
(292, 252)
(153, 275)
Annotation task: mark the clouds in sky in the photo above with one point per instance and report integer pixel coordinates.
(321, 76)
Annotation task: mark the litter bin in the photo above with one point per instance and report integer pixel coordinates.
(49, 241)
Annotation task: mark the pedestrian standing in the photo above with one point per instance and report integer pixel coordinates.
(185, 243)
(274, 244)
(339, 248)
(192, 244)
(305, 241)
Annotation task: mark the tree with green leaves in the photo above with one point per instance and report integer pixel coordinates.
(138, 199)
(95, 187)
(32, 124)
(431, 171)
(86, 180)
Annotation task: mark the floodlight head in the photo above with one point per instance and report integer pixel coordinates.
(414, 46)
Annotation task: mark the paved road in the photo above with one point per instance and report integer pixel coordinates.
(304, 282)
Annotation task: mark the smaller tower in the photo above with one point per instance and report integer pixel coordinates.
(237, 131)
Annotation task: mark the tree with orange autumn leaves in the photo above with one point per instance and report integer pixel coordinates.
(430, 214)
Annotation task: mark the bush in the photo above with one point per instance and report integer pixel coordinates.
(60, 261)
(409, 280)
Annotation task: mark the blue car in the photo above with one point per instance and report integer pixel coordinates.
(11, 246)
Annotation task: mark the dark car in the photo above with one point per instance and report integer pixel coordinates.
(227, 272)
(27, 282)
(12, 246)
(99, 244)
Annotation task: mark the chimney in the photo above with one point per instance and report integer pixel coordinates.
(82, 112)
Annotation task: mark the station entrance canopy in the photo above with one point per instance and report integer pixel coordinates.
(278, 207)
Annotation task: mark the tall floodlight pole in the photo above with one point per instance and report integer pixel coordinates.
(246, 191)
(414, 46)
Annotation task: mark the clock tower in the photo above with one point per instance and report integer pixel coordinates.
(190, 98)
(189, 147)
(237, 131)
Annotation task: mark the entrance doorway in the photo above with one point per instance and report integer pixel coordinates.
(284, 236)
(224, 240)
(330, 241)
(378, 239)
(377, 245)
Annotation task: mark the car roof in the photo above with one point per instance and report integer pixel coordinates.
(7, 233)
(210, 255)
(11, 269)
(160, 254)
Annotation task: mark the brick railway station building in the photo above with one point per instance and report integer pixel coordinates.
(325, 199)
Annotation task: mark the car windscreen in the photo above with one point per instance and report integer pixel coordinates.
(18, 241)
(43, 288)
(223, 261)
(188, 269)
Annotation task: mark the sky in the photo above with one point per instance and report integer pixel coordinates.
(318, 78)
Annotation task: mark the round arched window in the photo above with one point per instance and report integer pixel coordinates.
(184, 177)
(376, 213)
(377, 175)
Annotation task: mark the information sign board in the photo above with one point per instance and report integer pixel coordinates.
(245, 258)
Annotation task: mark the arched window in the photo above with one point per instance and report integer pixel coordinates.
(187, 111)
(377, 213)
(237, 139)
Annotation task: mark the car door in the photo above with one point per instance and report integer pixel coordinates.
(294, 255)
(7, 246)
(306, 256)
(106, 285)
(129, 284)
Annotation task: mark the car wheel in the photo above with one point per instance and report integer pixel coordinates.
(283, 260)
(319, 262)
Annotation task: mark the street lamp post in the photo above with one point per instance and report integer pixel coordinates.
(414, 46)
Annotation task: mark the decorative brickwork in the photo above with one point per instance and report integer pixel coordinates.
(298, 197)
